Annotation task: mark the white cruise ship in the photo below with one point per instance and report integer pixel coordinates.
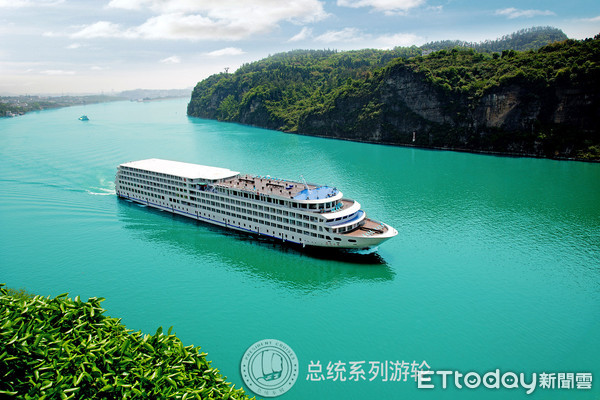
(290, 211)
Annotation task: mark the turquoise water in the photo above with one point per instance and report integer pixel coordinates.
(496, 265)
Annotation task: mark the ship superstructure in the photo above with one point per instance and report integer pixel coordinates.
(290, 211)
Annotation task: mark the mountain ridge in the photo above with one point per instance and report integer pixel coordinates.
(541, 102)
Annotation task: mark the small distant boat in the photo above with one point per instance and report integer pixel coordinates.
(84, 118)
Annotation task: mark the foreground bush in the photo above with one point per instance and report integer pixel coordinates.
(61, 348)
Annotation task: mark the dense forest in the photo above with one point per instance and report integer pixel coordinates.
(522, 40)
(286, 84)
(542, 102)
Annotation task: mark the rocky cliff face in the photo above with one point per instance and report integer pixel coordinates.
(557, 117)
(515, 117)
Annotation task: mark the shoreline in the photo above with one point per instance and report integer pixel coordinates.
(408, 145)
(459, 150)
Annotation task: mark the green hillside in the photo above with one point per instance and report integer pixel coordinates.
(522, 40)
(288, 83)
(304, 91)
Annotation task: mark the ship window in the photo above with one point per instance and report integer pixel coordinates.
(338, 239)
(328, 238)
(352, 240)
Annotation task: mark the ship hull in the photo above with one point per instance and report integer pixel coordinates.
(276, 236)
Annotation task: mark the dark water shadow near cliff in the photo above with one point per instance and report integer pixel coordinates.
(292, 267)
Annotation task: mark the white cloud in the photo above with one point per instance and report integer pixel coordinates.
(97, 68)
(74, 46)
(398, 39)
(344, 35)
(516, 13)
(437, 9)
(304, 34)
(228, 51)
(581, 28)
(29, 3)
(57, 72)
(202, 20)
(386, 6)
(21, 66)
(358, 38)
(127, 4)
(100, 29)
(304, 10)
(180, 26)
(171, 60)
(593, 19)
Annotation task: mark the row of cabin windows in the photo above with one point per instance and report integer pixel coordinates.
(146, 174)
(286, 221)
(318, 206)
(151, 185)
(143, 189)
(151, 177)
(291, 204)
(347, 228)
(259, 207)
(243, 217)
(154, 195)
(245, 206)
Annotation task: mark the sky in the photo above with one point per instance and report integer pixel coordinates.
(107, 46)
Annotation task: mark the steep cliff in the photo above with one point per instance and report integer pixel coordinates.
(539, 103)
(516, 117)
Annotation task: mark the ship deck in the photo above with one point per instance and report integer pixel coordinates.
(278, 187)
(369, 228)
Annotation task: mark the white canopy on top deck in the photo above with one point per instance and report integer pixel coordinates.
(182, 169)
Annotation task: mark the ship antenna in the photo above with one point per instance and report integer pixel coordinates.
(304, 181)
(305, 185)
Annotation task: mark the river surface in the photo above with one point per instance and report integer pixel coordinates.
(496, 264)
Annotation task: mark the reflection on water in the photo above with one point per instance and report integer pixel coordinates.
(296, 268)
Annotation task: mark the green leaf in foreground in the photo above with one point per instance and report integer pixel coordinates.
(57, 348)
